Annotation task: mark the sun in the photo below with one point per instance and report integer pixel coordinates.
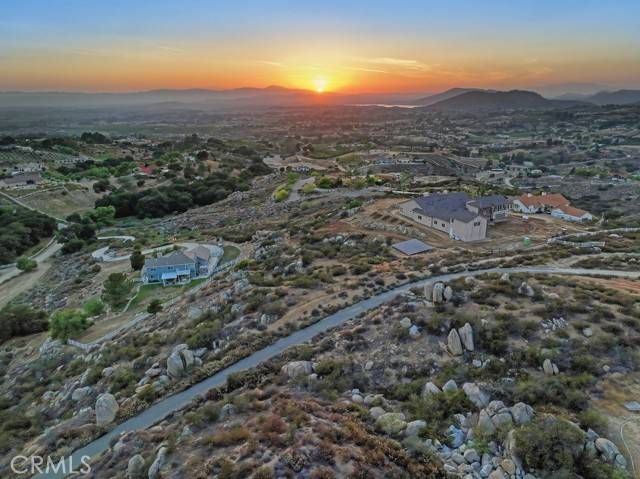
(320, 84)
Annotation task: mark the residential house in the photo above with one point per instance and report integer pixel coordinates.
(544, 203)
(495, 207)
(570, 213)
(178, 267)
(448, 213)
(22, 180)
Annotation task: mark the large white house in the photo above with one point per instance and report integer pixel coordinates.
(455, 214)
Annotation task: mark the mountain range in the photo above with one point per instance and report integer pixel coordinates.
(455, 99)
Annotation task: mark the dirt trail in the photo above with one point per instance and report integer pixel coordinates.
(619, 389)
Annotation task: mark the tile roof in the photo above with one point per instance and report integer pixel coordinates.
(551, 200)
(572, 211)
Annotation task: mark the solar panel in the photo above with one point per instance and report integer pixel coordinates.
(412, 246)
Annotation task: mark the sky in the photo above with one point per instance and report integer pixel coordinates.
(328, 45)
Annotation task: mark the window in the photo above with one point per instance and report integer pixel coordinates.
(419, 217)
(477, 223)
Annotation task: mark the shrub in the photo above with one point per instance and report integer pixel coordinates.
(228, 437)
(68, 323)
(26, 264)
(93, 307)
(20, 320)
(547, 444)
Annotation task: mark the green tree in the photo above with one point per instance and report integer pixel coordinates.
(155, 306)
(116, 290)
(26, 264)
(68, 323)
(20, 320)
(93, 307)
(137, 260)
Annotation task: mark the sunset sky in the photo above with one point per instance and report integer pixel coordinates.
(344, 46)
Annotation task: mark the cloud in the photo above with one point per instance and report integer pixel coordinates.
(369, 70)
(398, 62)
(273, 64)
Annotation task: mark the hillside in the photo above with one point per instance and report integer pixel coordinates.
(499, 100)
(445, 95)
(620, 97)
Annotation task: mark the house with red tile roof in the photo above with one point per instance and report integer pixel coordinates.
(544, 203)
(569, 213)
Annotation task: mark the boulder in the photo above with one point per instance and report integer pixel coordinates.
(175, 366)
(466, 336)
(135, 467)
(376, 411)
(391, 423)
(502, 419)
(81, 393)
(414, 332)
(456, 436)
(485, 424)
(497, 474)
(454, 345)
(227, 410)
(475, 394)
(405, 322)
(607, 448)
(447, 294)
(414, 427)
(428, 291)
(508, 466)
(471, 456)
(522, 413)
(547, 367)
(526, 290)
(297, 368)
(505, 278)
(588, 332)
(450, 385)
(161, 458)
(106, 409)
(430, 388)
(438, 293)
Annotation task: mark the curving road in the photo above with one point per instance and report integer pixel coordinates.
(171, 404)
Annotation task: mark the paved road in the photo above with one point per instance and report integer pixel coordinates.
(171, 404)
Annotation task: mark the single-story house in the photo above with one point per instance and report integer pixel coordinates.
(544, 203)
(177, 267)
(22, 180)
(569, 213)
(448, 213)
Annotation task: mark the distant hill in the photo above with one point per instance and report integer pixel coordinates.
(620, 97)
(445, 95)
(196, 99)
(498, 100)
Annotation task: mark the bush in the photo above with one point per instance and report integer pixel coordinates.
(547, 444)
(25, 264)
(94, 307)
(228, 437)
(20, 320)
(68, 323)
(436, 409)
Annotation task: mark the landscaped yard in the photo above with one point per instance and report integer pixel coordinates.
(230, 253)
